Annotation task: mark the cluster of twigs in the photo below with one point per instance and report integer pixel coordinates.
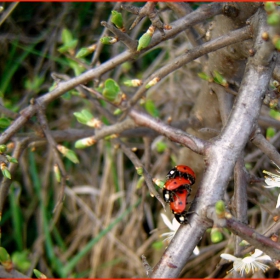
(115, 215)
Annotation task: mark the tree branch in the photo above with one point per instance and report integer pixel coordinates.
(227, 146)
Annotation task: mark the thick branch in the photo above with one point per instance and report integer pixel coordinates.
(226, 148)
(176, 135)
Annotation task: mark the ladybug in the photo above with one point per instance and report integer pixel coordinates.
(181, 171)
(175, 184)
(178, 206)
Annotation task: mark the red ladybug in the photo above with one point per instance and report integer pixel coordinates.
(178, 206)
(175, 184)
(181, 171)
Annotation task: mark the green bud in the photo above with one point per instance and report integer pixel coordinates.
(133, 83)
(86, 51)
(274, 19)
(161, 147)
(140, 182)
(152, 82)
(57, 173)
(219, 79)
(269, 7)
(117, 20)
(220, 208)
(3, 148)
(108, 40)
(68, 153)
(216, 235)
(84, 143)
(117, 111)
(145, 39)
(159, 182)
(139, 170)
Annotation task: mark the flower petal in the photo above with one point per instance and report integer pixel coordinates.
(166, 221)
(196, 251)
(229, 257)
(271, 183)
(264, 258)
(278, 201)
(257, 253)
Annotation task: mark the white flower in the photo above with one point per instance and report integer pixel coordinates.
(173, 227)
(273, 181)
(248, 264)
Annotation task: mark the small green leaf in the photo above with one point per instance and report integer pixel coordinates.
(219, 79)
(77, 68)
(4, 256)
(111, 90)
(151, 108)
(84, 116)
(204, 76)
(70, 46)
(34, 84)
(117, 20)
(144, 41)
(11, 159)
(21, 261)
(270, 132)
(39, 274)
(4, 122)
(6, 173)
(57, 173)
(66, 36)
